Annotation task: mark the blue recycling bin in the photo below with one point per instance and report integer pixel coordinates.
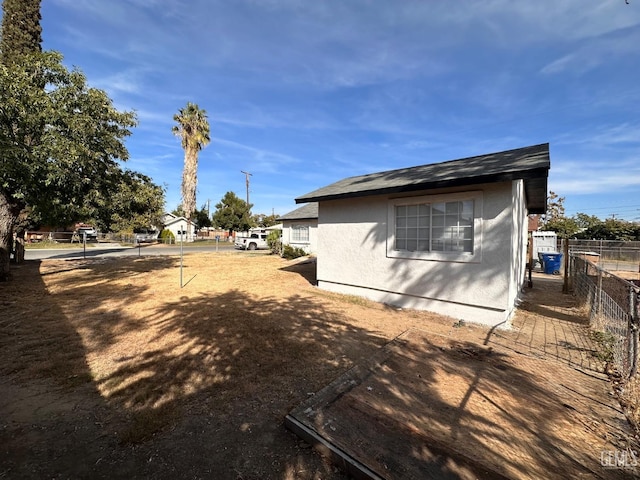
(552, 263)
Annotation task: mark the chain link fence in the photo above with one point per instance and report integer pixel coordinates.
(613, 306)
(613, 255)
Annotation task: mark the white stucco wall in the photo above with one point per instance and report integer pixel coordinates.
(175, 229)
(312, 245)
(518, 246)
(352, 259)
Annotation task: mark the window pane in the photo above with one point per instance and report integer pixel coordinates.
(467, 209)
(467, 222)
(300, 233)
(441, 226)
(466, 233)
(437, 221)
(438, 209)
(437, 239)
(451, 221)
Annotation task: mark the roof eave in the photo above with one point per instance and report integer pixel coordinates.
(533, 174)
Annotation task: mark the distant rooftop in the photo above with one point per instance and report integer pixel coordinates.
(305, 212)
(528, 163)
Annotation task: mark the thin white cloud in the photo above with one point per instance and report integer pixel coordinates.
(595, 175)
(596, 52)
(603, 137)
(258, 159)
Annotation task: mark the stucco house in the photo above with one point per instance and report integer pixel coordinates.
(447, 237)
(300, 227)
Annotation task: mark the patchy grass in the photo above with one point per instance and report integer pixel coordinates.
(606, 345)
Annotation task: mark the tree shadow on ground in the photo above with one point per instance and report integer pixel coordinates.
(191, 384)
(549, 324)
(432, 407)
(54, 417)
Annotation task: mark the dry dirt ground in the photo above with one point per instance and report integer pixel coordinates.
(108, 369)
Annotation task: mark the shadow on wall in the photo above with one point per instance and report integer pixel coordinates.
(442, 277)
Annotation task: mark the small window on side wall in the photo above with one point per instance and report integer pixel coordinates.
(439, 227)
(299, 233)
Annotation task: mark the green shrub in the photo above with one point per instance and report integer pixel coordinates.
(606, 343)
(290, 252)
(167, 236)
(274, 240)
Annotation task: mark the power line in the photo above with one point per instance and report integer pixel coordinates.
(616, 207)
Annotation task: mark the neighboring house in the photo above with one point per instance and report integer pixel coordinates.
(178, 225)
(448, 237)
(300, 228)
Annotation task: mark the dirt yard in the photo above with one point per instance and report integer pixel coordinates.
(108, 369)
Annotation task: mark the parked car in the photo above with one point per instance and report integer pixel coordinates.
(144, 235)
(88, 233)
(257, 240)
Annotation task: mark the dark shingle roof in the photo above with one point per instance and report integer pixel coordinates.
(305, 212)
(528, 163)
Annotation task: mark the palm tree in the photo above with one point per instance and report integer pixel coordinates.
(193, 130)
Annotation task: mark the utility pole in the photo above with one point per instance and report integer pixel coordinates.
(246, 176)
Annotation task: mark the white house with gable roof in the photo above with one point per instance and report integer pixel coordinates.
(447, 237)
(178, 226)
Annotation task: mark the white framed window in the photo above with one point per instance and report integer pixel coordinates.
(436, 227)
(300, 233)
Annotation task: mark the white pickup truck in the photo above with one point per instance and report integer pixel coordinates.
(257, 240)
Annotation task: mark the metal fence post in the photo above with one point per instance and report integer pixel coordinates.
(633, 331)
(565, 250)
(598, 295)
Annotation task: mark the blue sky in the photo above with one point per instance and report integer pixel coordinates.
(303, 93)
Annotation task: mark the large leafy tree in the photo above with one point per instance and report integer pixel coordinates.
(135, 203)
(586, 222)
(200, 217)
(233, 214)
(612, 229)
(21, 35)
(21, 30)
(264, 220)
(563, 226)
(193, 129)
(57, 144)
